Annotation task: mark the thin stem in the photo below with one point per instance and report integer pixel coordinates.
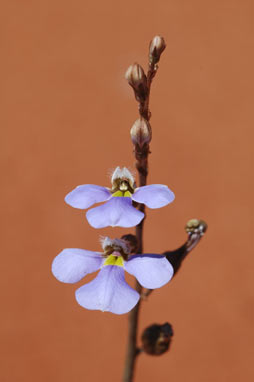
(141, 155)
(144, 107)
(132, 350)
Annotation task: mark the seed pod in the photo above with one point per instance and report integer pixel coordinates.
(132, 242)
(157, 338)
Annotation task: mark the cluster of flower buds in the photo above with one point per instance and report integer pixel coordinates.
(136, 78)
(157, 338)
(157, 46)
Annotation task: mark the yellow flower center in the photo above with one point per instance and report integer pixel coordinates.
(114, 260)
(122, 193)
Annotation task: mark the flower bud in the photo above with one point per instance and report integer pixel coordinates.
(195, 226)
(141, 132)
(157, 338)
(136, 77)
(157, 46)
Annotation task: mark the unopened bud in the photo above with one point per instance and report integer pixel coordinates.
(141, 132)
(195, 229)
(136, 77)
(196, 226)
(157, 46)
(156, 339)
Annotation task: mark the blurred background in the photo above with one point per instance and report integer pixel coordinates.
(66, 111)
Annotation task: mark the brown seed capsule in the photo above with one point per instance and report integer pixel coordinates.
(157, 46)
(141, 132)
(157, 338)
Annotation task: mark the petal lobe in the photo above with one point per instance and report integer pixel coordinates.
(72, 264)
(153, 195)
(108, 292)
(86, 195)
(151, 271)
(116, 212)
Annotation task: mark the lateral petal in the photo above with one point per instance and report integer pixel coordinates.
(151, 271)
(86, 195)
(153, 195)
(72, 264)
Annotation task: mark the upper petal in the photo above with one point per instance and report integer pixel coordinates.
(108, 292)
(86, 195)
(154, 195)
(118, 211)
(151, 271)
(72, 264)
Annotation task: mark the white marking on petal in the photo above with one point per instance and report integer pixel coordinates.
(107, 242)
(123, 173)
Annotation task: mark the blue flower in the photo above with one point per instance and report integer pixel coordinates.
(109, 290)
(118, 209)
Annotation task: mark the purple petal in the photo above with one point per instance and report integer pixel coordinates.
(108, 292)
(86, 195)
(118, 211)
(151, 271)
(154, 195)
(72, 264)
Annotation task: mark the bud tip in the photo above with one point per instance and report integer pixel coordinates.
(157, 46)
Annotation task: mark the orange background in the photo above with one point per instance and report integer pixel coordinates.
(65, 120)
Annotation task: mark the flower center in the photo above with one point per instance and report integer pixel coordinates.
(122, 188)
(114, 260)
(117, 252)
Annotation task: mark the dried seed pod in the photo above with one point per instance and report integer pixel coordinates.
(132, 242)
(157, 338)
